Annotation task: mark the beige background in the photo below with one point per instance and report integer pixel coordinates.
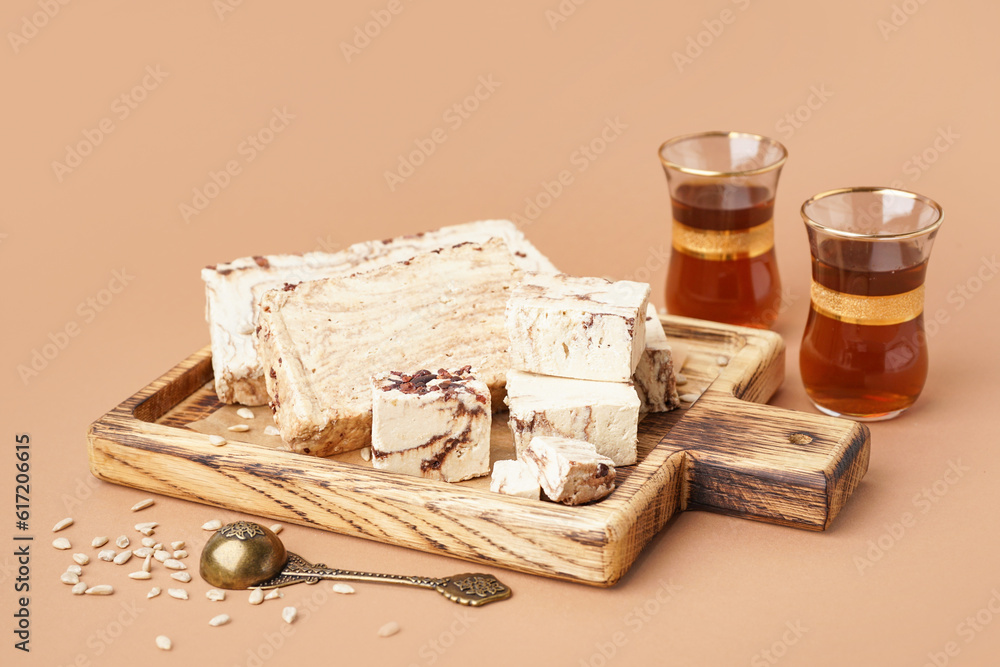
(928, 87)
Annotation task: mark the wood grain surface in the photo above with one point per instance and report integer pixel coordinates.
(726, 453)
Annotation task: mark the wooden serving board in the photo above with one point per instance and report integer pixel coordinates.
(725, 453)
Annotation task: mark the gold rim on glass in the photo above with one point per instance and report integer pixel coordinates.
(923, 231)
(717, 133)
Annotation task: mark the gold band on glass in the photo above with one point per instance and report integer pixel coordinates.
(723, 245)
(867, 310)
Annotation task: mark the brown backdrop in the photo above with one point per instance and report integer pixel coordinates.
(128, 165)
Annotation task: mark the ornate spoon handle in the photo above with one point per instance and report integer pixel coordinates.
(469, 589)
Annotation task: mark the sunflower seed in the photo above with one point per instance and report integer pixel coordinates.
(246, 413)
(366, 453)
(121, 542)
(71, 578)
(61, 543)
(256, 596)
(147, 565)
(122, 558)
(75, 569)
(146, 528)
(148, 542)
(690, 398)
(153, 592)
(274, 594)
(142, 504)
(216, 440)
(221, 619)
(239, 428)
(163, 642)
(103, 589)
(99, 541)
(80, 588)
(215, 595)
(161, 555)
(174, 564)
(343, 589)
(158, 547)
(277, 528)
(106, 555)
(181, 576)
(681, 379)
(288, 614)
(177, 545)
(389, 629)
(65, 523)
(722, 360)
(179, 593)
(270, 429)
(142, 552)
(180, 553)
(214, 524)
(81, 559)
(141, 574)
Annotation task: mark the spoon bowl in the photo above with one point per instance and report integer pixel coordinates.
(241, 555)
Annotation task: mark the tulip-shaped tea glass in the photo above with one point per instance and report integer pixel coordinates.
(864, 351)
(722, 187)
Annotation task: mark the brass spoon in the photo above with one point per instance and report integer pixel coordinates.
(246, 555)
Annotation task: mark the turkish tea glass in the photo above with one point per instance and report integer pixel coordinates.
(722, 263)
(864, 351)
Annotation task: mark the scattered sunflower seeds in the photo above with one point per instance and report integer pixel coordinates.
(75, 569)
(256, 596)
(681, 379)
(99, 541)
(163, 642)
(61, 543)
(141, 574)
(153, 592)
(366, 453)
(178, 593)
(146, 528)
(221, 619)
(270, 429)
(216, 440)
(65, 523)
(106, 555)
(70, 578)
(102, 589)
(121, 542)
(214, 524)
(142, 552)
(239, 428)
(389, 629)
(274, 594)
(343, 589)
(81, 559)
(246, 413)
(183, 577)
(180, 553)
(80, 588)
(123, 557)
(177, 545)
(277, 528)
(215, 595)
(722, 360)
(161, 555)
(142, 504)
(289, 614)
(174, 564)
(148, 542)
(689, 398)
(147, 564)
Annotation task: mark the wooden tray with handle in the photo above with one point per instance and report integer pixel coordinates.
(725, 453)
